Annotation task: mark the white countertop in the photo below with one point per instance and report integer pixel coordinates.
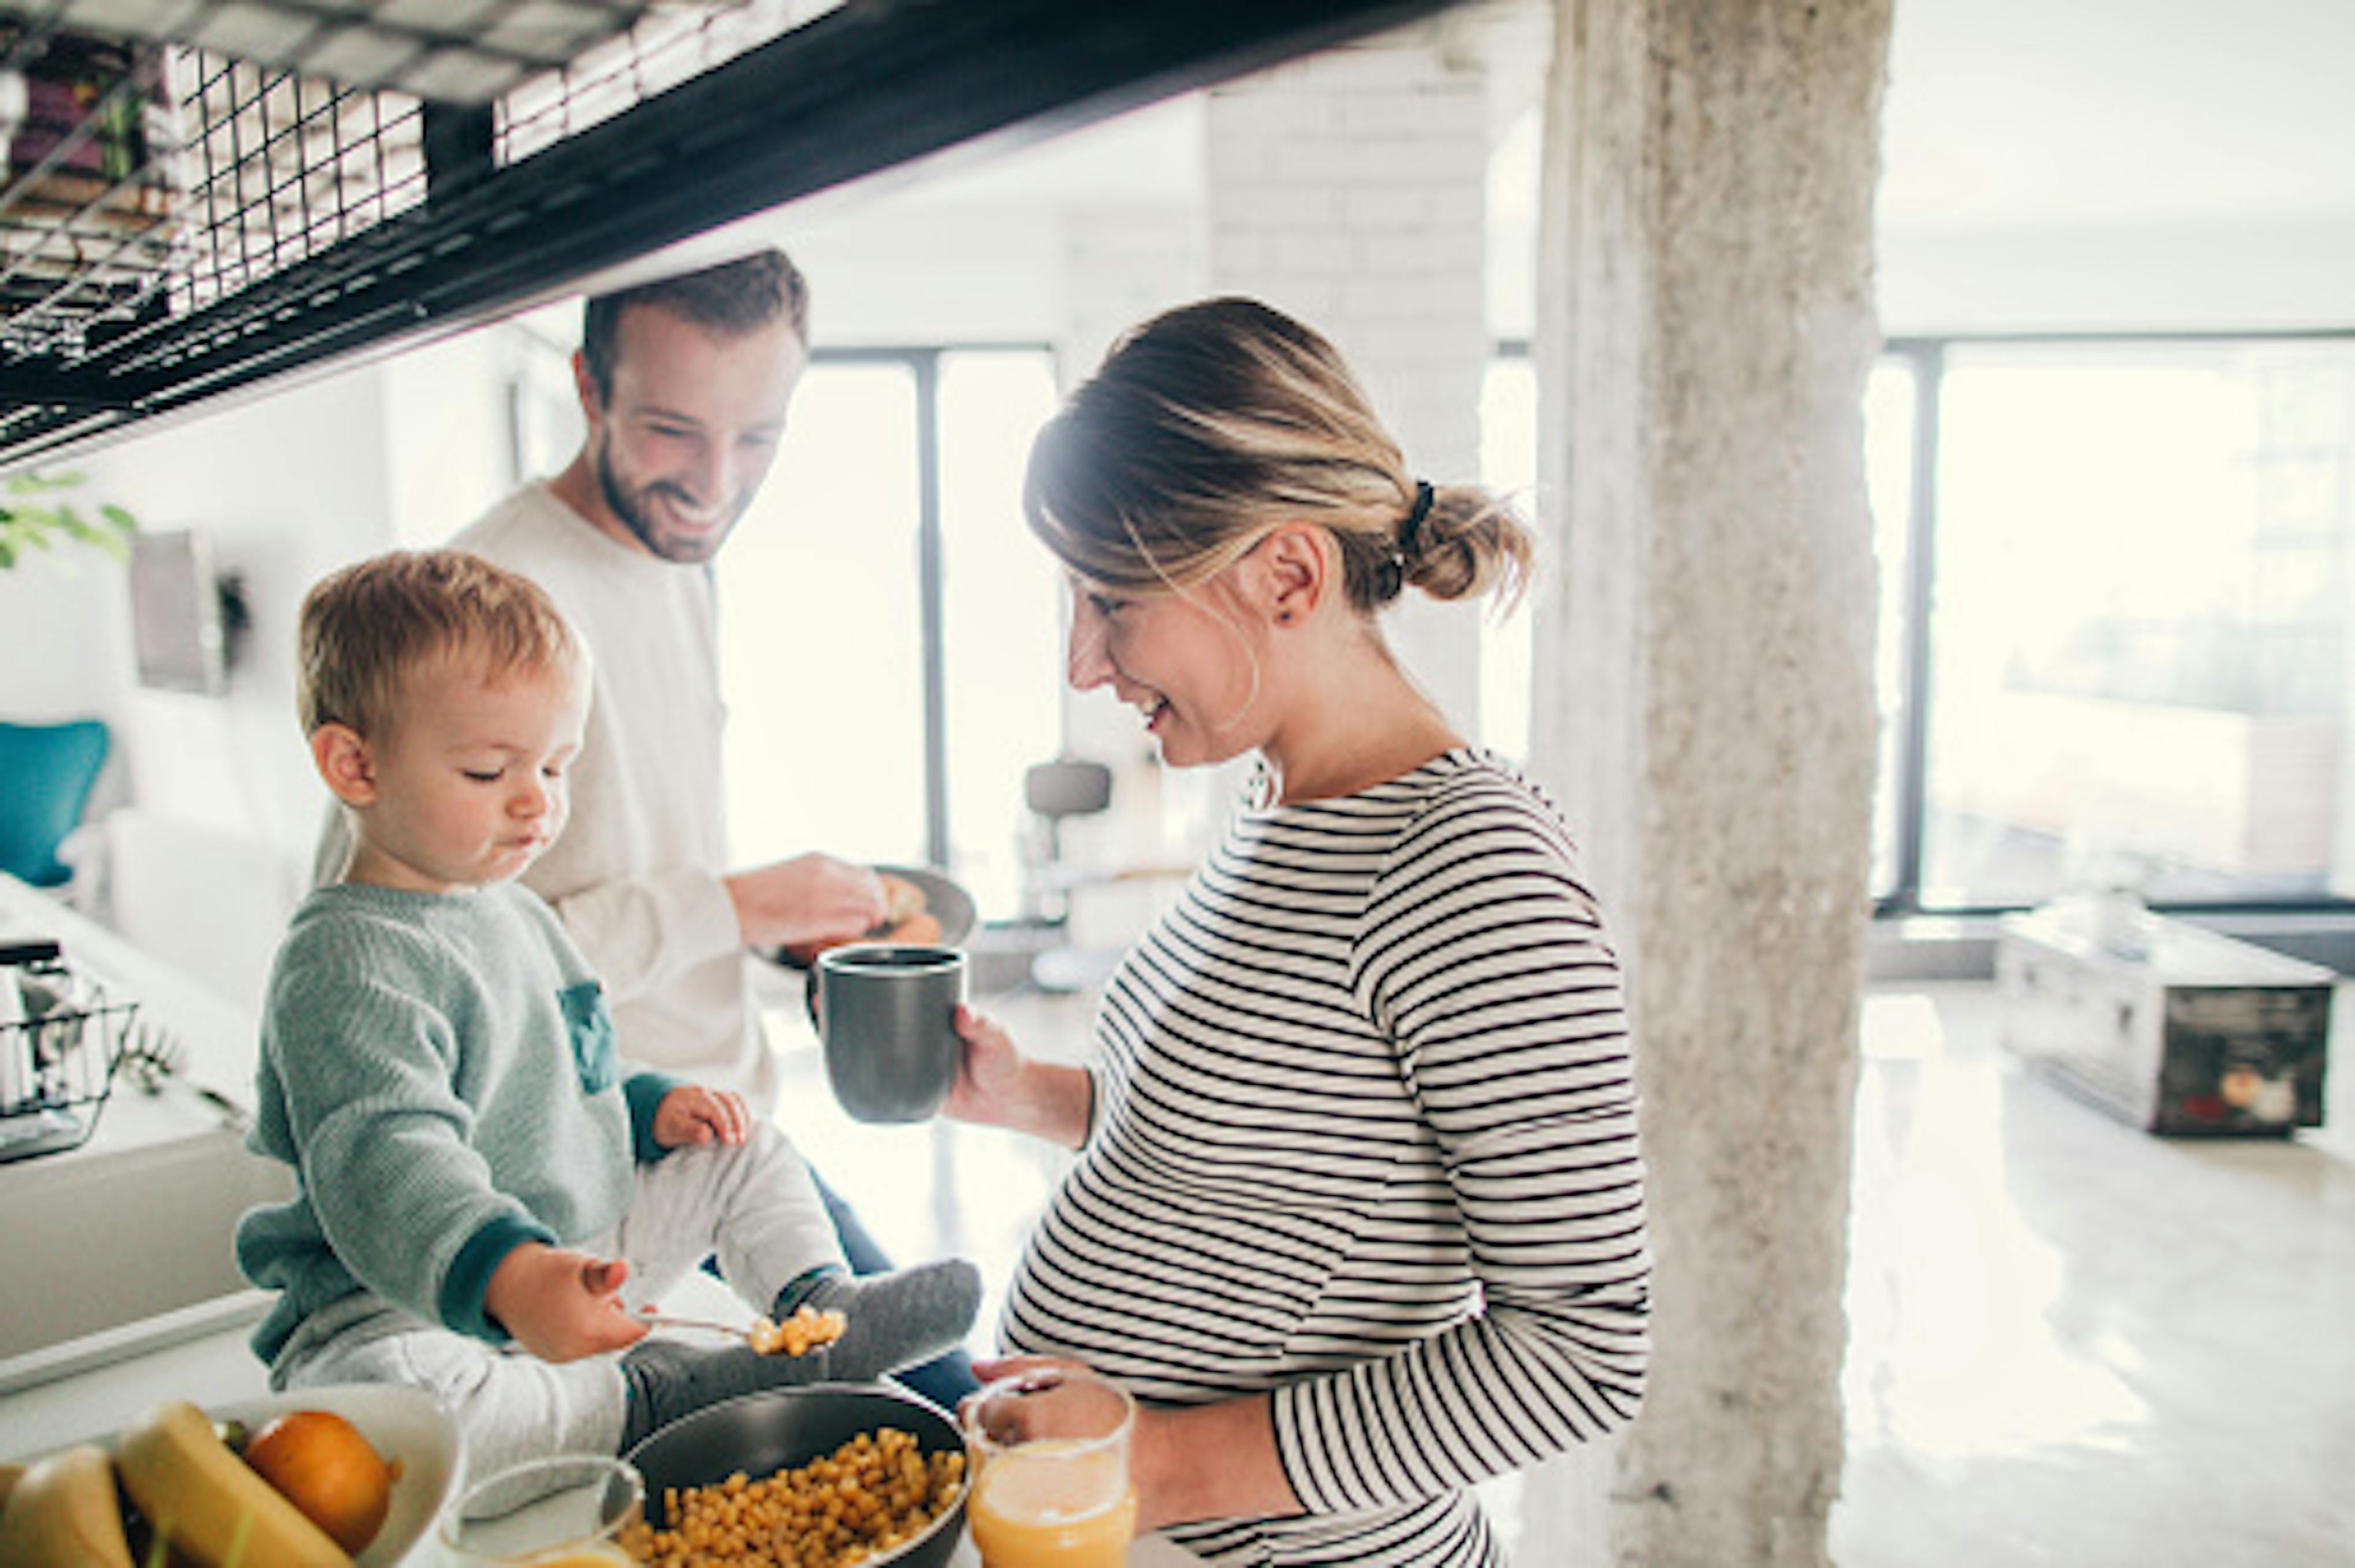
(85, 1231)
(126, 1241)
(216, 1369)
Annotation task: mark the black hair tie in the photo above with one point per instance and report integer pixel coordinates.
(1392, 581)
(1413, 524)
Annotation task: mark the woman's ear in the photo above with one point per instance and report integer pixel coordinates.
(1297, 561)
(345, 762)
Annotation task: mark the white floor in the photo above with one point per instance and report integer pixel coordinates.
(2072, 1342)
(2076, 1343)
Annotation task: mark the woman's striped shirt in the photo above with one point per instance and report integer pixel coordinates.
(1365, 1135)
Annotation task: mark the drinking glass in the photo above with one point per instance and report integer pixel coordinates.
(1051, 1486)
(568, 1510)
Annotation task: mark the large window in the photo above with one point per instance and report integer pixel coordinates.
(890, 642)
(1892, 406)
(892, 636)
(2115, 581)
(1508, 464)
(1003, 620)
(2114, 599)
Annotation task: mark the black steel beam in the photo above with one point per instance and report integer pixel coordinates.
(866, 88)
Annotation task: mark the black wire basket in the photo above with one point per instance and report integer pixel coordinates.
(61, 1038)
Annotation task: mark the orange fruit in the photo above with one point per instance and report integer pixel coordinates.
(323, 1466)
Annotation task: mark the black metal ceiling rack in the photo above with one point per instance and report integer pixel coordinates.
(315, 221)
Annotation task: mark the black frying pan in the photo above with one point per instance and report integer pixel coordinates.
(760, 1434)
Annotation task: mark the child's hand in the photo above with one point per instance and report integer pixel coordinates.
(692, 1113)
(561, 1303)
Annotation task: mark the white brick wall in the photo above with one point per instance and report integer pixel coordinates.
(1349, 190)
(1121, 266)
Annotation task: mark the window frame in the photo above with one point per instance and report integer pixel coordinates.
(923, 363)
(1927, 354)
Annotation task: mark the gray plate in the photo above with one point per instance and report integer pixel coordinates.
(944, 900)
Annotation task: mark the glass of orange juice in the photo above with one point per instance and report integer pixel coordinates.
(568, 1510)
(1051, 1486)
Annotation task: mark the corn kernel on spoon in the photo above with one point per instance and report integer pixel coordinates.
(805, 1331)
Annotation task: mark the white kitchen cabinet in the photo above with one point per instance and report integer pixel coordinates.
(124, 1244)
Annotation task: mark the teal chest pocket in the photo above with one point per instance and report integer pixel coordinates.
(591, 1025)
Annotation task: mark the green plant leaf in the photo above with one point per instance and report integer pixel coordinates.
(26, 526)
(32, 482)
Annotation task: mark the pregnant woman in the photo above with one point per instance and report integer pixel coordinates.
(1356, 1215)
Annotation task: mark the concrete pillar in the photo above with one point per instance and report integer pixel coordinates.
(1348, 188)
(1704, 707)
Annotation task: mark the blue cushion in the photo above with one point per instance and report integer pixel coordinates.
(46, 774)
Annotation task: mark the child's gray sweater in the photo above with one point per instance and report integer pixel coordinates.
(440, 1072)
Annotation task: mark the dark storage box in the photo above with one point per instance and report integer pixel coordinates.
(2173, 1027)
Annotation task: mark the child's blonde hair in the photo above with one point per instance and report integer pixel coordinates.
(366, 626)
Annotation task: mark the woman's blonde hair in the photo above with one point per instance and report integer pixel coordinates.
(1213, 423)
(364, 628)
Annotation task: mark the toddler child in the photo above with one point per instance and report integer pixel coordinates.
(483, 1198)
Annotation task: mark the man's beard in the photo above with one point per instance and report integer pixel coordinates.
(637, 516)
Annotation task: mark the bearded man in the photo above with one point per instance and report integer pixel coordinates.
(685, 384)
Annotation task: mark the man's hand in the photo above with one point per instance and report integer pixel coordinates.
(692, 1113)
(810, 898)
(561, 1303)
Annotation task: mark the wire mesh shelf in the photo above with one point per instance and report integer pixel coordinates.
(60, 1039)
(148, 176)
(257, 187)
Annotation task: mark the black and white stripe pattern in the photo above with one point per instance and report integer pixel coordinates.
(1365, 1137)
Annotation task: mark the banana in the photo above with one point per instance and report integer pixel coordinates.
(196, 1491)
(63, 1513)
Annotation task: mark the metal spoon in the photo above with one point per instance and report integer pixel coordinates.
(765, 1338)
(654, 1320)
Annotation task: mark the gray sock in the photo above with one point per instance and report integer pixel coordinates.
(895, 1320)
(668, 1379)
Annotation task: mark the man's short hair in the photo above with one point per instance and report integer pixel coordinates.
(365, 627)
(734, 298)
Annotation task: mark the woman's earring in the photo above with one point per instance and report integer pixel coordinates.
(1285, 617)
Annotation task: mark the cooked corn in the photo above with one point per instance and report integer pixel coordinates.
(805, 1331)
(870, 1495)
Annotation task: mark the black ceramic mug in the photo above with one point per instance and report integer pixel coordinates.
(887, 1016)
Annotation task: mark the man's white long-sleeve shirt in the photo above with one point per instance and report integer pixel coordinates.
(637, 874)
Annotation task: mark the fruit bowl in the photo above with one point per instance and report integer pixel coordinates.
(403, 1425)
